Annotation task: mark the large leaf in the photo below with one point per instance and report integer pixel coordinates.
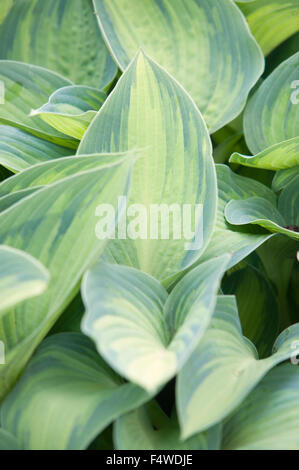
(71, 109)
(19, 150)
(56, 225)
(66, 396)
(21, 277)
(27, 87)
(238, 241)
(205, 44)
(271, 21)
(269, 418)
(149, 110)
(259, 211)
(271, 115)
(223, 369)
(257, 305)
(279, 156)
(60, 35)
(141, 333)
(147, 429)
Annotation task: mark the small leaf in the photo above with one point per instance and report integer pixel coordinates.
(71, 109)
(277, 157)
(27, 87)
(259, 211)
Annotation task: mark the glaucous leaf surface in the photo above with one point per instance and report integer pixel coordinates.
(66, 396)
(223, 369)
(138, 430)
(56, 225)
(61, 35)
(19, 150)
(259, 211)
(21, 277)
(205, 44)
(271, 114)
(148, 110)
(142, 333)
(271, 21)
(27, 87)
(277, 157)
(269, 417)
(71, 109)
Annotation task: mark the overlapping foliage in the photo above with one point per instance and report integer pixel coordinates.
(140, 342)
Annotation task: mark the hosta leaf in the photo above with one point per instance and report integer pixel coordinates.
(284, 177)
(217, 69)
(60, 35)
(271, 115)
(259, 211)
(271, 21)
(21, 277)
(223, 151)
(279, 156)
(5, 8)
(56, 225)
(269, 417)
(142, 334)
(7, 441)
(288, 204)
(257, 305)
(138, 431)
(19, 150)
(44, 174)
(13, 198)
(66, 396)
(27, 87)
(238, 241)
(278, 256)
(223, 369)
(71, 109)
(149, 110)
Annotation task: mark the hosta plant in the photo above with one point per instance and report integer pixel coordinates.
(149, 224)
